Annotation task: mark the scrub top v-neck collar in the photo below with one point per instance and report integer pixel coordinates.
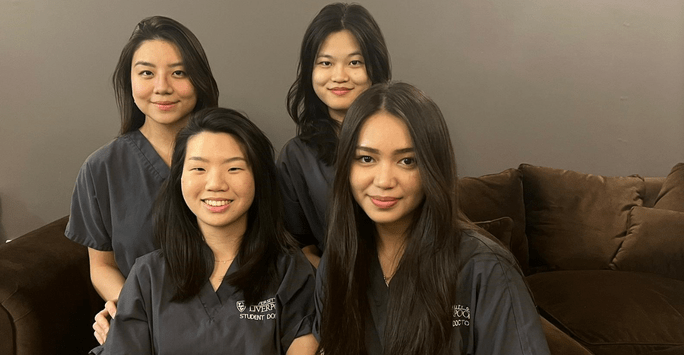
(213, 301)
(151, 156)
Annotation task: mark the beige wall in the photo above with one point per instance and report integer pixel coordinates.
(593, 86)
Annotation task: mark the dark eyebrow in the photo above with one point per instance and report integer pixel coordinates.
(229, 160)
(148, 64)
(330, 56)
(375, 151)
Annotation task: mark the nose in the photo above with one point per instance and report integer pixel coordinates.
(339, 74)
(385, 177)
(162, 85)
(216, 181)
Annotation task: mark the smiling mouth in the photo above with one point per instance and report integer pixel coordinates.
(340, 91)
(384, 202)
(215, 203)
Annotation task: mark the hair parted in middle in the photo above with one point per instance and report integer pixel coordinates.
(314, 124)
(186, 254)
(428, 267)
(194, 60)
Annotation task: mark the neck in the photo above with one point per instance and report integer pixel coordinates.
(162, 137)
(337, 115)
(390, 243)
(225, 244)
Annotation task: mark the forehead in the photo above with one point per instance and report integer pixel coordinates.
(341, 42)
(383, 130)
(157, 50)
(212, 145)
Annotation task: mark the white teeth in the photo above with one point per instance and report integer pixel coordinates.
(216, 203)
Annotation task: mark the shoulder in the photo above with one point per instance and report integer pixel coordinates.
(149, 266)
(295, 149)
(475, 249)
(110, 153)
(294, 262)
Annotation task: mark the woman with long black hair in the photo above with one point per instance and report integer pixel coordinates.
(401, 274)
(227, 278)
(342, 54)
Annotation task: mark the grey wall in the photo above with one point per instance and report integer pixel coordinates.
(593, 86)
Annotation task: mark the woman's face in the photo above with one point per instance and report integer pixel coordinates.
(217, 182)
(339, 75)
(161, 88)
(384, 177)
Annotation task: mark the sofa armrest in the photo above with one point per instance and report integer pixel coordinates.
(46, 297)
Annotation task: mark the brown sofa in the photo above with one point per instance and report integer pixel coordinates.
(604, 258)
(604, 255)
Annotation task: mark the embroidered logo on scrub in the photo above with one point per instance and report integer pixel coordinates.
(260, 311)
(461, 315)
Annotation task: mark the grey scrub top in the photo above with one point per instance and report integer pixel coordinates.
(113, 199)
(305, 183)
(213, 322)
(493, 312)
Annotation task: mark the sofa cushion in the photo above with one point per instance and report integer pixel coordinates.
(613, 312)
(574, 220)
(500, 228)
(493, 196)
(671, 196)
(654, 243)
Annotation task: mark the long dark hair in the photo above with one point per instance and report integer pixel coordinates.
(314, 124)
(187, 256)
(423, 287)
(194, 60)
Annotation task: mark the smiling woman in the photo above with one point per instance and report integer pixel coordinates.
(162, 76)
(401, 273)
(343, 53)
(226, 268)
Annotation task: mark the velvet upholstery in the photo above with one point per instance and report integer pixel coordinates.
(48, 302)
(613, 312)
(493, 196)
(654, 243)
(671, 196)
(576, 221)
(500, 228)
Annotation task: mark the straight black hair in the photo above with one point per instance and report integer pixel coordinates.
(314, 124)
(423, 287)
(194, 60)
(189, 259)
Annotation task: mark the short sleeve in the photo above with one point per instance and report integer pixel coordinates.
(505, 317)
(130, 329)
(296, 300)
(290, 173)
(90, 215)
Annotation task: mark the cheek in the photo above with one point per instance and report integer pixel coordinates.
(357, 182)
(186, 90)
(318, 77)
(139, 89)
(361, 78)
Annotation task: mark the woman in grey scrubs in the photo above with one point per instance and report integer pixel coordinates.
(162, 76)
(228, 278)
(343, 53)
(400, 273)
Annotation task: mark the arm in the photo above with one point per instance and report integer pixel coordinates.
(304, 345)
(108, 281)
